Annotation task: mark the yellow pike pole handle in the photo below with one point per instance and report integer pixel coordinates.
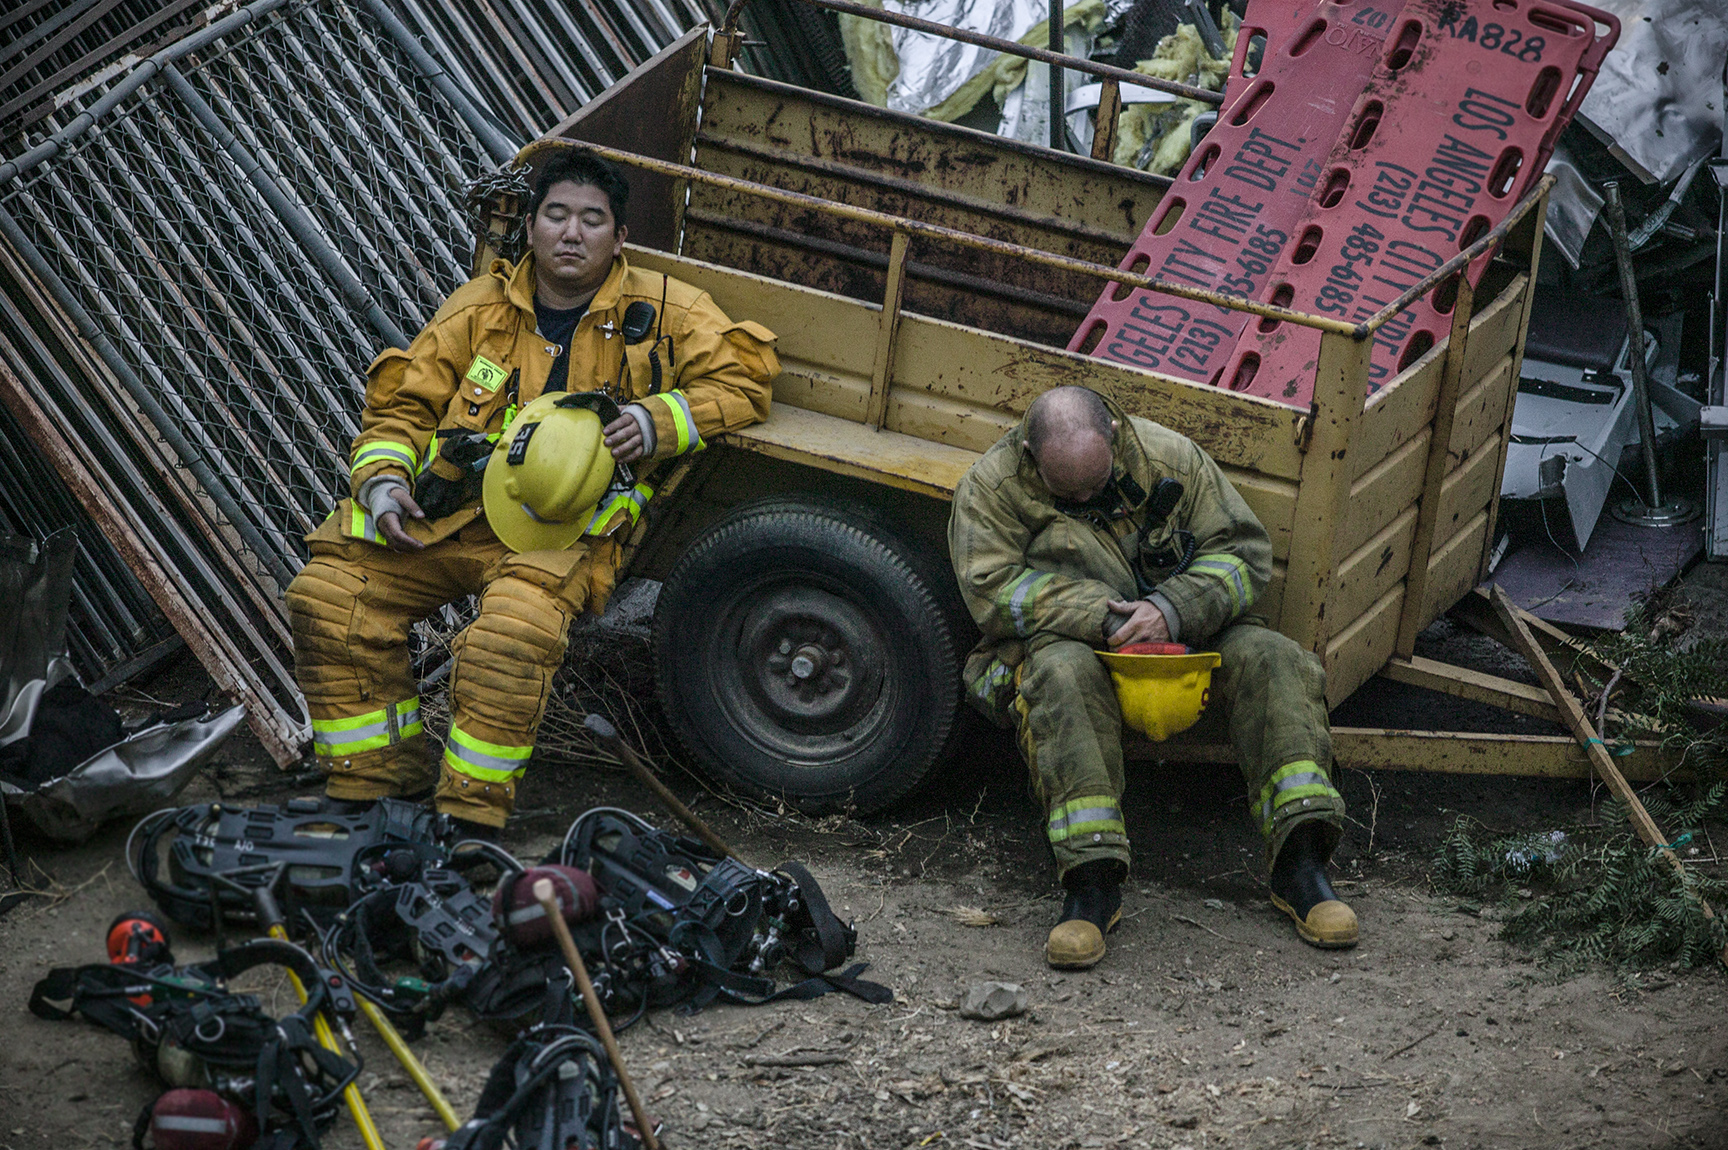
(416, 1070)
(573, 958)
(271, 916)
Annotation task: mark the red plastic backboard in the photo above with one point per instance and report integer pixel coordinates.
(1234, 206)
(1455, 125)
(1295, 195)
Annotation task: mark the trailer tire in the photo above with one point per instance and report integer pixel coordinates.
(805, 653)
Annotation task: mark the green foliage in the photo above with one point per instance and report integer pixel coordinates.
(1659, 683)
(1594, 893)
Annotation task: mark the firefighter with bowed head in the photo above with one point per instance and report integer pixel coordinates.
(1084, 529)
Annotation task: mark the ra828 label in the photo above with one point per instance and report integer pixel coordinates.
(1493, 37)
(1259, 252)
(1344, 281)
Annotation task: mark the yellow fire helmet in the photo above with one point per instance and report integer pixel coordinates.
(1161, 695)
(546, 475)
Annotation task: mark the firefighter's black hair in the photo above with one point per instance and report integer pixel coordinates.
(580, 166)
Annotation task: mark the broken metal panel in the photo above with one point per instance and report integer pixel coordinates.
(36, 587)
(1657, 103)
(112, 619)
(138, 775)
(850, 152)
(1568, 431)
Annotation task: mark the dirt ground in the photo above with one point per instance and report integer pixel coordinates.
(1207, 1025)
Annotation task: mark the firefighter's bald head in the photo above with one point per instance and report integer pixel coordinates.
(1069, 432)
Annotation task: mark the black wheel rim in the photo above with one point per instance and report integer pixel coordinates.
(802, 670)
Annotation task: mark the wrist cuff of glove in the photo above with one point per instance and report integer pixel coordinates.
(378, 494)
(646, 422)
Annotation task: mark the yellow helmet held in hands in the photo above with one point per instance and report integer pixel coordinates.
(1161, 695)
(546, 475)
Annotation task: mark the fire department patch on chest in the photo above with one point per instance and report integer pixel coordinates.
(484, 373)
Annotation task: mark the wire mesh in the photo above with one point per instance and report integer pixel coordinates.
(533, 62)
(213, 302)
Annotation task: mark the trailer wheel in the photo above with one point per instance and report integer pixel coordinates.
(806, 653)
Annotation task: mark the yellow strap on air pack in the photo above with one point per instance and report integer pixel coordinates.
(484, 373)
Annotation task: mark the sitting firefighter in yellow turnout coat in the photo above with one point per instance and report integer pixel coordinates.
(1086, 529)
(454, 417)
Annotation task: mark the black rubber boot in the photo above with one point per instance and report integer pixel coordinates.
(1300, 889)
(1091, 910)
(463, 829)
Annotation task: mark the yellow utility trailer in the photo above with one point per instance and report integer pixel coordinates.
(923, 279)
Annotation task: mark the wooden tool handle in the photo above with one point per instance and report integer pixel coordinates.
(608, 737)
(548, 901)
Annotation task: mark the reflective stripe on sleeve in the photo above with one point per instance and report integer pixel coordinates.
(384, 451)
(359, 733)
(1232, 572)
(488, 762)
(1291, 783)
(626, 503)
(1019, 596)
(1093, 814)
(689, 439)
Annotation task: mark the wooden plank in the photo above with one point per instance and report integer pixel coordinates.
(1466, 491)
(1340, 387)
(1452, 571)
(997, 372)
(942, 420)
(985, 381)
(819, 328)
(1481, 410)
(1273, 502)
(887, 326)
(1530, 231)
(1382, 493)
(1573, 716)
(1373, 568)
(854, 449)
(1402, 409)
(1442, 752)
(1478, 686)
(1440, 437)
(1362, 646)
(1397, 413)
(1495, 330)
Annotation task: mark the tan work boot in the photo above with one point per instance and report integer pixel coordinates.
(1092, 910)
(1300, 890)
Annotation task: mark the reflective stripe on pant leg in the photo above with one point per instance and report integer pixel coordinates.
(1091, 815)
(1070, 733)
(368, 732)
(1299, 782)
(479, 759)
